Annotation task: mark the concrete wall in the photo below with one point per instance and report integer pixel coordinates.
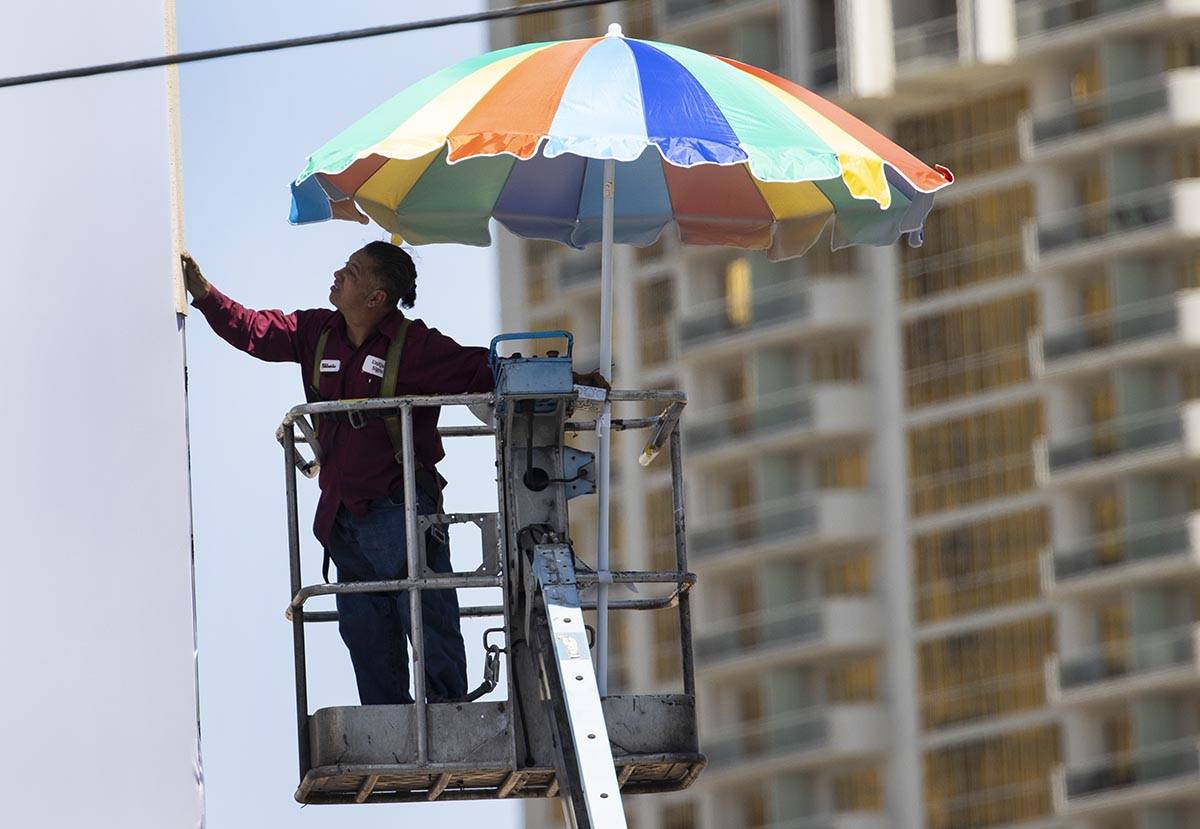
(98, 711)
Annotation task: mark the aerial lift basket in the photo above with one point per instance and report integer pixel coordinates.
(553, 735)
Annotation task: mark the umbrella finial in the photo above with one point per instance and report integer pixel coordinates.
(614, 30)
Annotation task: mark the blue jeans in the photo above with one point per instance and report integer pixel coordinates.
(375, 626)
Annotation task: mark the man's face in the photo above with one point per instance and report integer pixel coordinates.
(354, 287)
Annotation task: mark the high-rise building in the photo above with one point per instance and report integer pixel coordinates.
(945, 501)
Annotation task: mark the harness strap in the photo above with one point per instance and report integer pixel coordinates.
(315, 383)
(391, 374)
(427, 480)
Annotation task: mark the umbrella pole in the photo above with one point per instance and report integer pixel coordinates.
(603, 433)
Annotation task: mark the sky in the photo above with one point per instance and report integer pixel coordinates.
(247, 125)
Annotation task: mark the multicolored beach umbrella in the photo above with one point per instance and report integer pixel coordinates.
(610, 140)
(732, 154)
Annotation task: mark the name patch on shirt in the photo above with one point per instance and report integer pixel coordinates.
(374, 365)
(328, 366)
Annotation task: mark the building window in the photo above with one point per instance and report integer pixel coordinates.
(993, 782)
(985, 674)
(1100, 406)
(619, 678)
(1104, 516)
(834, 362)
(679, 816)
(1189, 382)
(842, 469)
(738, 292)
(755, 41)
(847, 576)
(972, 459)
(1185, 161)
(667, 667)
(660, 522)
(858, 790)
(968, 351)
(856, 680)
(751, 715)
(537, 267)
(754, 809)
(1112, 631)
(652, 252)
(1183, 50)
(1096, 302)
(534, 28)
(968, 243)
(1116, 731)
(981, 566)
(1085, 83)
(655, 306)
(822, 260)
(639, 19)
(1187, 272)
(556, 322)
(979, 136)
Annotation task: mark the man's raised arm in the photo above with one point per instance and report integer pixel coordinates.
(267, 335)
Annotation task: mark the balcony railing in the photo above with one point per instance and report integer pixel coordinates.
(1008, 804)
(1165, 763)
(1135, 544)
(820, 409)
(1148, 430)
(1136, 211)
(1130, 323)
(786, 409)
(1103, 109)
(986, 698)
(958, 593)
(788, 624)
(926, 275)
(1037, 18)
(781, 518)
(933, 40)
(790, 300)
(796, 731)
(1001, 476)
(970, 374)
(1130, 657)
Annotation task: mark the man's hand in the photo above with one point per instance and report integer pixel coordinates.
(594, 379)
(193, 280)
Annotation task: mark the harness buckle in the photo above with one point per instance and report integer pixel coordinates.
(357, 418)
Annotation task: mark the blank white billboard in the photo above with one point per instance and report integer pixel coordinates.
(98, 715)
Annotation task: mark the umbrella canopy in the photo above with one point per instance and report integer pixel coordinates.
(731, 154)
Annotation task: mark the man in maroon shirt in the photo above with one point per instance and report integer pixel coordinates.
(360, 515)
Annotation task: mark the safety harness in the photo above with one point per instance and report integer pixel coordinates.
(428, 480)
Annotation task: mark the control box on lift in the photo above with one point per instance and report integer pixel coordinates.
(519, 376)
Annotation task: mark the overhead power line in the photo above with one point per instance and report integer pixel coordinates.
(294, 42)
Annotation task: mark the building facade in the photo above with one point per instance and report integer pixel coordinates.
(100, 663)
(943, 500)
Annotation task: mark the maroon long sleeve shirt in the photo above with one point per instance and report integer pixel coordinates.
(358, 465)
